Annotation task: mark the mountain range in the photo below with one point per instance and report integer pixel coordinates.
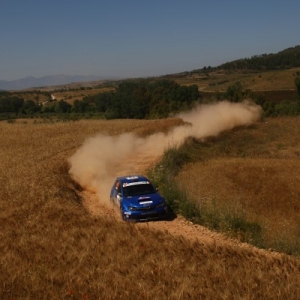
(52, 80)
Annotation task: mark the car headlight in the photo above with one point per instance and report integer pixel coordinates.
(132, 208)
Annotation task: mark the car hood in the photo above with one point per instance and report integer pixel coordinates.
(145, 200)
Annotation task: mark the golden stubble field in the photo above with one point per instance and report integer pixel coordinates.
(52, 248)
(254, 172)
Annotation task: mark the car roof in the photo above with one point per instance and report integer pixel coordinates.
(132, 178)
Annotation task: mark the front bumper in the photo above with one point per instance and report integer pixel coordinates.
(141, 215)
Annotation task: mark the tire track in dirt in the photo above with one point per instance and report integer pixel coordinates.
(177, 227)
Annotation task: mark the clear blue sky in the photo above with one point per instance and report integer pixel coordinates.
(139, 38)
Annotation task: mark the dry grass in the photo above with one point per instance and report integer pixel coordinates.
(53, 249)
(71, 95)
(261, 81)
(255, 172)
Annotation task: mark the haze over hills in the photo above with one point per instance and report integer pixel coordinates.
(285, 59)
(51, 80)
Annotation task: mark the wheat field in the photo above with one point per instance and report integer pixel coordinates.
(52, 248)
(254, 172)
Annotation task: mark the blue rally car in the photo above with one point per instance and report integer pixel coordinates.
(137, 198)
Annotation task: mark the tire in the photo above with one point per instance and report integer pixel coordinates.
(122, 214)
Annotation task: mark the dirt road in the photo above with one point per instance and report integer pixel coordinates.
(178, 226)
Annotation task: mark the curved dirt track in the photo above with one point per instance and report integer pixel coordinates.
(102, 158)
(178, 226)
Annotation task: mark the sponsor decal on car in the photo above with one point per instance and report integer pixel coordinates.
(135, 183)
(146, 202)
(132, 177)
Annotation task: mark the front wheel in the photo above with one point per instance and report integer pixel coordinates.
(122, 214)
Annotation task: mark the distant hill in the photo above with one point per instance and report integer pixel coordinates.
(52, 80)
(286, 59)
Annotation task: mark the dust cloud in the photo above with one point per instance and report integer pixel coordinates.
(102, 158)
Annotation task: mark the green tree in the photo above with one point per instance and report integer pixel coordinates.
(297, 83)
(79, 106)
(144, 98)
(4, 105)
(234, 92)
(11, 104)
(62, 107)
(102, 101)
(31, 107)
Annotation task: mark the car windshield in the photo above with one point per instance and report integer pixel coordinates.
(138, 189)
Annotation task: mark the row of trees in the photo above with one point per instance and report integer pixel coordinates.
(132, 99)
(144, 99)
(20, 107)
